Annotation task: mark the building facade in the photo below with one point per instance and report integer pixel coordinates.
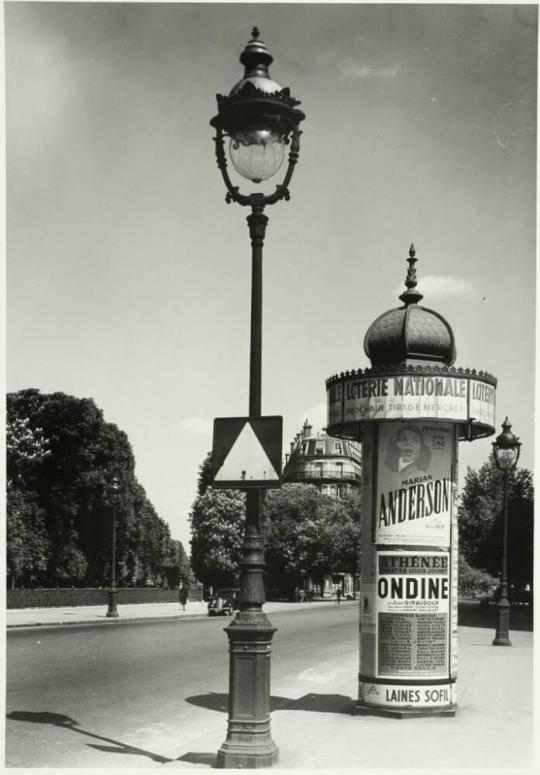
(332, 465)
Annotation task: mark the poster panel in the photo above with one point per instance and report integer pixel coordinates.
(414, 492)
(413, 612)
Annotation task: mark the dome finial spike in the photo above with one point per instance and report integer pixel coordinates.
(411, 296)
(255, 33)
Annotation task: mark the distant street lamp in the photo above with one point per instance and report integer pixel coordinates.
(114, 495)
(260, 120)
(506, 449)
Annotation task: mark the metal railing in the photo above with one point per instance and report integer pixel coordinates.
(328, 473)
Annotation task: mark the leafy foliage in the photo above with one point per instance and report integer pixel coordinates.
(61, 457)
(305, 532)
(480, 515)
(309, 533)
(473, 582)
(204, 479)
(217, 524)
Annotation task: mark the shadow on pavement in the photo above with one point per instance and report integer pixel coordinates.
(59, 720)
(474, 614)
(320, 703)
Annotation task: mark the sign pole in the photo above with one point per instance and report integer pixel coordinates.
(249, 742)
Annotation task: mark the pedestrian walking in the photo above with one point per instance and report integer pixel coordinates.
(339, 595)
(183, 594)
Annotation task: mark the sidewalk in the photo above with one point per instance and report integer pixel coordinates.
(32, 617)
(493, 726)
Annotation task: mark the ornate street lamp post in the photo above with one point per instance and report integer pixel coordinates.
(506, 449)
(114, 498)
(260, 120)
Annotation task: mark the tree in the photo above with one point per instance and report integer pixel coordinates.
(480, 516)
(61, 457)
(204, 479)
(176, 566)
(217, 525)
(307, 532)
(27, 545)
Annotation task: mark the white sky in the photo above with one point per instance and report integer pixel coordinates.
(128, 276)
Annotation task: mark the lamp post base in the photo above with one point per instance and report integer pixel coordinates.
(249, 743)
(502, 631)
(234, 755)
(112, 610)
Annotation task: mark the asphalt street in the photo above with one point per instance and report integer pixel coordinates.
(143, 694)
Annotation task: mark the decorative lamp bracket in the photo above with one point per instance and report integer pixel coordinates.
(233, 192)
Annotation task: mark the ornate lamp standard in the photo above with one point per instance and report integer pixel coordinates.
(506, 449)
(114, 498)
(260, 120)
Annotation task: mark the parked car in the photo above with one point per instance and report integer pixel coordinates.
(223, 603)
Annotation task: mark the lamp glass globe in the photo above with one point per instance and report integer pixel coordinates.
(257, 154)
(506, 457)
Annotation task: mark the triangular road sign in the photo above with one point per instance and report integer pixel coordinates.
(246, 452)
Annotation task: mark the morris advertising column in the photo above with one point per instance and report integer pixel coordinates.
(409, 409)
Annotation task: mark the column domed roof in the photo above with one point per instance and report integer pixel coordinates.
(411, 333)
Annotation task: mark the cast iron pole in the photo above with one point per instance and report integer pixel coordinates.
(112, 610)
(502, 633)
(249, 742)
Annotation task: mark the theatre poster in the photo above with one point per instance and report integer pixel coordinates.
(412, 603)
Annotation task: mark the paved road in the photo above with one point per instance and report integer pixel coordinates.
(139, 694)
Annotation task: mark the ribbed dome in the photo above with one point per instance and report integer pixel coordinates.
(410, 333)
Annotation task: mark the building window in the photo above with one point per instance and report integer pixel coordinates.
(319, 448)
(338, 447)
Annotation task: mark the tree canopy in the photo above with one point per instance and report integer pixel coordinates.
(61, 457)
(480, 515)
(217, 525)
(307, 532)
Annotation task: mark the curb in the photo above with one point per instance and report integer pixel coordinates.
(107, 621)
(125, 620)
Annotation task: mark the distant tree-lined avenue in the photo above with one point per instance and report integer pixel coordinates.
(61, 457)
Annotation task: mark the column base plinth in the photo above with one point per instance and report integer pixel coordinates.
(234, 754)
(373, 710)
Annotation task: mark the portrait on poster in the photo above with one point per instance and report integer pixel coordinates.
(413, 505)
